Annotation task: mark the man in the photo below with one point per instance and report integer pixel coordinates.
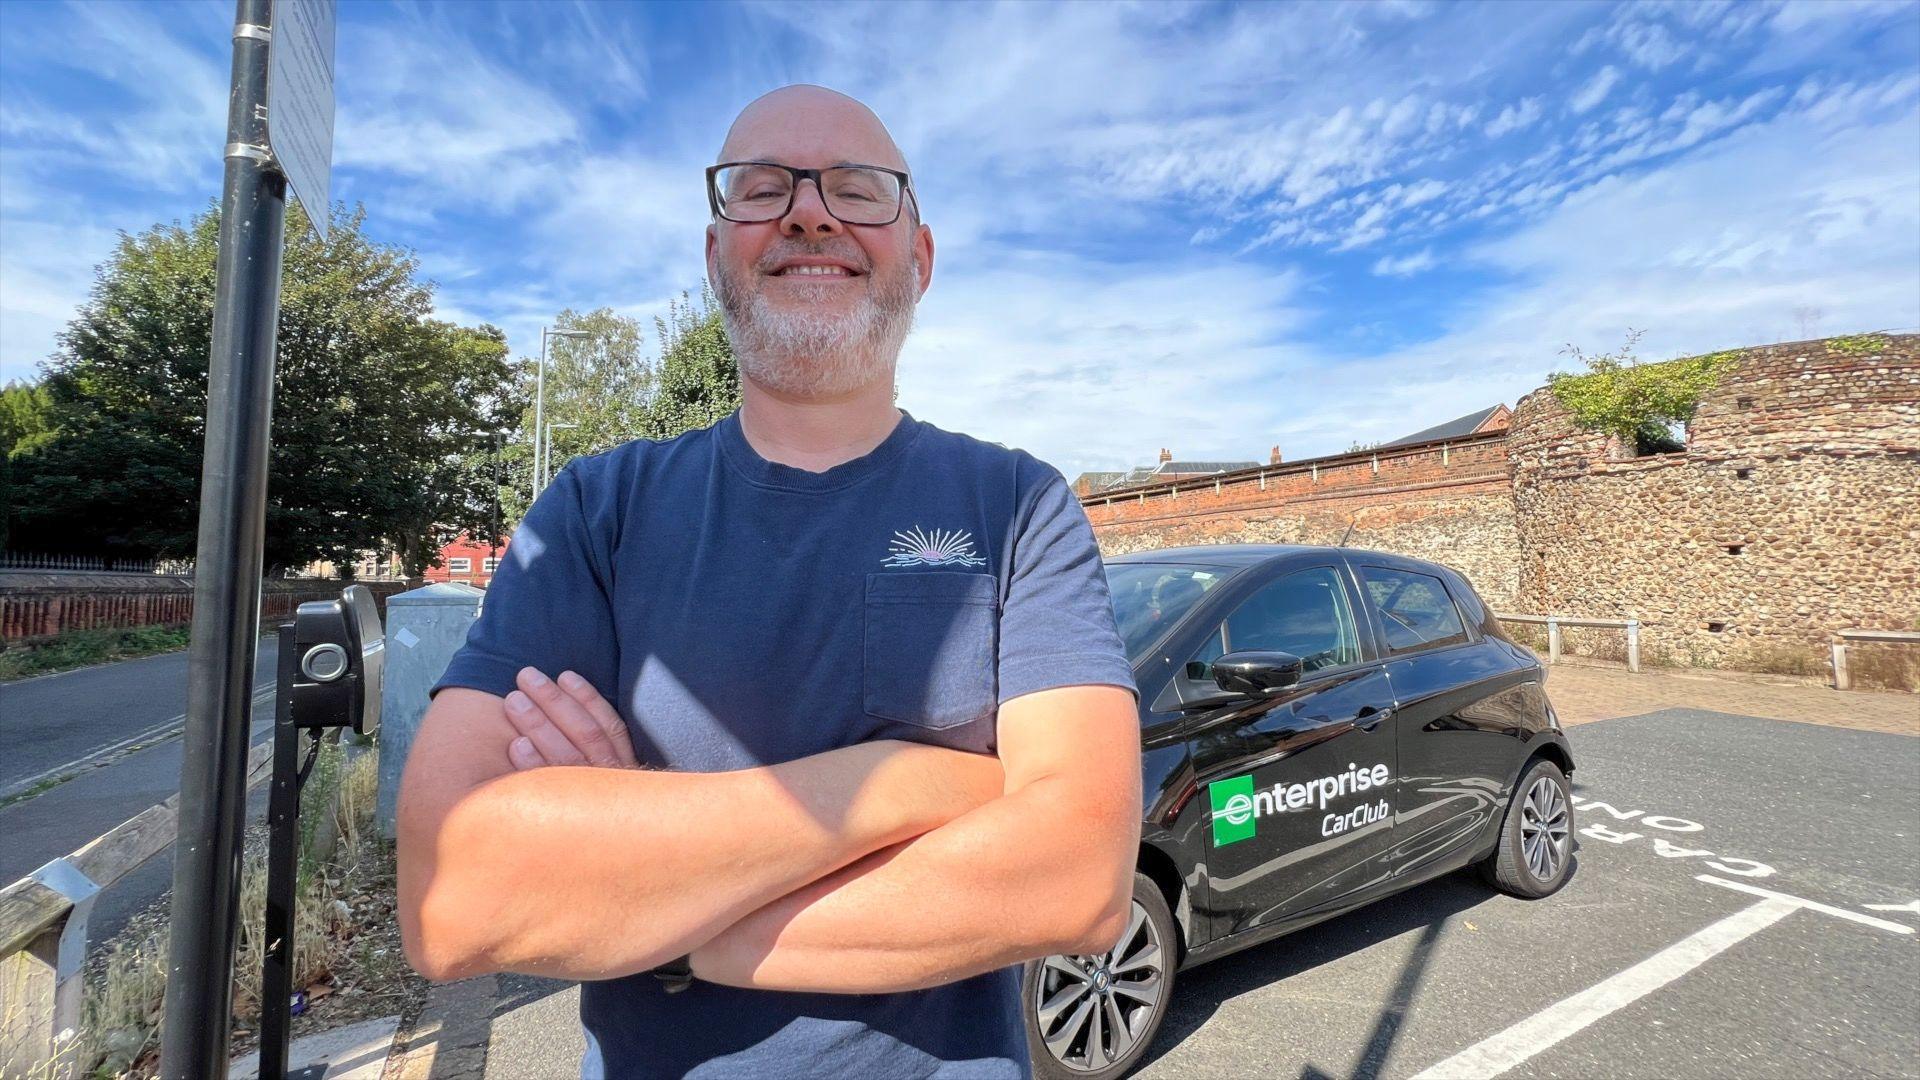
(867, 669)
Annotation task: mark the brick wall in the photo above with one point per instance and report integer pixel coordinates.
(1450, 502)
(1793, 512)
(38, 606)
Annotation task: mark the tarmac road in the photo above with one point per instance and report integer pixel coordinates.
(1637, 970)
(113, 732)
(1451, 979)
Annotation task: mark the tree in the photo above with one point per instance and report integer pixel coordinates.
(379, 409)
(26, 423)
(699, 380)
(611, 392)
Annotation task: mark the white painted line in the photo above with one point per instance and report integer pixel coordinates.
(1811, 905)
(1495, 1055)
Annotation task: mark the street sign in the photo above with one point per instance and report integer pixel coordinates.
(300, 100)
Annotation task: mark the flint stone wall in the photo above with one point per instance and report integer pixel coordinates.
(1794, 511)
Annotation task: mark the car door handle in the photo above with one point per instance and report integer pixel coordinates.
(1367, 721)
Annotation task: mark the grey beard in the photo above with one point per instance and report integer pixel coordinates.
(810, 354)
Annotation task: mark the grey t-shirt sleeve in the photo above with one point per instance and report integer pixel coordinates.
(547, 606)
(1056, 626)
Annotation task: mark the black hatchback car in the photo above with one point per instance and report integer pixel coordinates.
(1321, 727)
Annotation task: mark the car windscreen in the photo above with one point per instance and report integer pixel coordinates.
(1150, 597)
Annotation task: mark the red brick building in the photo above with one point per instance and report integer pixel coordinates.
(467, 560)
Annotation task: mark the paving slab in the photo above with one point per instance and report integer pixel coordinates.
(355, 1052)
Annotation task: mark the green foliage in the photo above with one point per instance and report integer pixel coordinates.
(1637, 402)
(613, 393)
(81, 648)
(1860, 344)
(378, 418)
(699, 382)
(26, 416)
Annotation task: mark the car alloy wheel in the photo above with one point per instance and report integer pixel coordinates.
(1545, 828)
(1093, 1010)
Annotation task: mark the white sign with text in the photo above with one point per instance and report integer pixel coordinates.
(300, 100)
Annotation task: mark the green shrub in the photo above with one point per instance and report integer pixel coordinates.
(1636, 402)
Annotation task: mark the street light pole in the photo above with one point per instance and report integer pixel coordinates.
(540, 403)
(548, 453)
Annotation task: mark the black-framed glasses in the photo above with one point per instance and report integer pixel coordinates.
(757, 191)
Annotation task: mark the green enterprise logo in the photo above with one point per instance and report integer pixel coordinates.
(1233, 818)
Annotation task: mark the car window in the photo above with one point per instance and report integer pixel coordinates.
(1415, 610)
(1150, 597)
(1304, 613)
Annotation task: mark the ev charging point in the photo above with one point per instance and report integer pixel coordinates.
(425, 627)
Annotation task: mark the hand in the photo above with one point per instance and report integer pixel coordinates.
(565, 722)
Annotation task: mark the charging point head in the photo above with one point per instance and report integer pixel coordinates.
(342, 652)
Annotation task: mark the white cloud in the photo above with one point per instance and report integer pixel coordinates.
(1714, 251)
(1406, 265)
(1514, 117)
(1596, 89)
(1086, 363)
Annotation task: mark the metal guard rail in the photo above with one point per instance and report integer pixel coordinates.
(1841, 679)
(1553, 624)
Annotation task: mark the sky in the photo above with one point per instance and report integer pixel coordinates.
(1209, 228)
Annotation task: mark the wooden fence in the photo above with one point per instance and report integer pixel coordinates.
(43, 934)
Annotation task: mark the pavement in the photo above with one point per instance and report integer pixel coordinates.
(1745, 904)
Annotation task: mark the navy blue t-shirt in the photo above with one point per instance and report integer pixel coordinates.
(740, 612)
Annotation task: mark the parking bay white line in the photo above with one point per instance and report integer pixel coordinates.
(1495, 1055)
(1812, 905)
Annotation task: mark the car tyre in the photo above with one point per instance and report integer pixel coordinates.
(1535, 854)
(1095, 1017)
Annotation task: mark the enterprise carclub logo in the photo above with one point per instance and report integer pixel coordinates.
(1237, 807)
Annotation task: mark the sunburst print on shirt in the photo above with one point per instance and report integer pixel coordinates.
(941, 547)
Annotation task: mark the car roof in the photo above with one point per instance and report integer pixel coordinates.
(1240, 556)
(1218, 554)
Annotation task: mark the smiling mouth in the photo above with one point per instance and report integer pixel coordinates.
(815, 272)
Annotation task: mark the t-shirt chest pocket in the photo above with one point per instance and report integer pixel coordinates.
(931, 640)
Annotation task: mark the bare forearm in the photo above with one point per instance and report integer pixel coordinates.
(1021, 877)
(596, 873)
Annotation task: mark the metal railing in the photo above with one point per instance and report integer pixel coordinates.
(1843, 681)
(1553, 624)
(54, 562)
(43, 934)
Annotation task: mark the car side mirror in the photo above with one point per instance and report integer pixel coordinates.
(341, 654)
(1257, 673)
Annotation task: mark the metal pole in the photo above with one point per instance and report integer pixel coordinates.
(493, 538)
(226, 600)
(283, 844)
(539, 413)
(1633, 645)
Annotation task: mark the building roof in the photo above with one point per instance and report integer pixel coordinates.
(1147, 474)
(1204, 466)
(1456, 428)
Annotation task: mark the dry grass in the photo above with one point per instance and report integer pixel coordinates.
(125, 996)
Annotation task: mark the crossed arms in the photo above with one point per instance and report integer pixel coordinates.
(872, 868)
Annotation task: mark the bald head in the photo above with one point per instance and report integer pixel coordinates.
(810, 127)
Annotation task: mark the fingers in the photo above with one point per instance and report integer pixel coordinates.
(523, 756)
(550, 744)
(559, 726)
(603, 713)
